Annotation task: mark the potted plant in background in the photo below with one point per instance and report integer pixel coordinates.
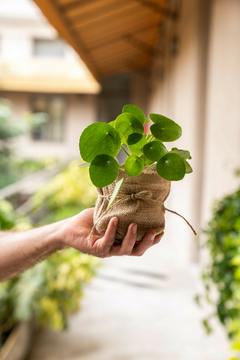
(136, 190)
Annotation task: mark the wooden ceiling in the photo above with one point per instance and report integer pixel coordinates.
(110, 36)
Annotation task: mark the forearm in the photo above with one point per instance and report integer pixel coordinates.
(19, 251)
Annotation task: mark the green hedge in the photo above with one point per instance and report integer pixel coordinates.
(222, 274)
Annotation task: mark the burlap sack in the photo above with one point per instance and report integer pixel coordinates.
(140, 200)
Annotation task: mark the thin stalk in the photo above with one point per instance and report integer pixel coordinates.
(128, 150)
(122, 167)
(150, 167)
(150, 138)
(125, 150)
(148, 135)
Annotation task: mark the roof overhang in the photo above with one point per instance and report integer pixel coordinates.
(109, 35)
(47, 76)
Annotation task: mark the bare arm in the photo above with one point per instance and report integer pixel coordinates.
(19, 251)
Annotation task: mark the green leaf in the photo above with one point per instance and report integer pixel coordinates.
(134, 138)
(166, 130)
(135, 111)
(83, 164)
(99, 138)
(127, 124)
(133, 165)
(112, 123)
(185, 154)
(188, 167)
(115, 192)
(156, 118)
(136, 149)
(103, 170)
(154, 150)
(171, 167)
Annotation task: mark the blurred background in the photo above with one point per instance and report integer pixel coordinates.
(65, 64)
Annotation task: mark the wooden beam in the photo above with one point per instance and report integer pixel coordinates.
(76, 4)
(113, 40)
(97, 39)
(104, 12)
(138, 44)
(124, 16)
(53, 12)
(119, 56)
(158, 9)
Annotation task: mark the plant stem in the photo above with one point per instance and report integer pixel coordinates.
(122, 167)
(150, 167)
(128, 150)
(148, 135)
(125, 150)
(150, 138)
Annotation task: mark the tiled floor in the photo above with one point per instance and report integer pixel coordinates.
(137, 309)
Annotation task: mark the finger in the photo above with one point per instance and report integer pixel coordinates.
(158, 238)
(146, 242)
(128, 242)
(108, 239)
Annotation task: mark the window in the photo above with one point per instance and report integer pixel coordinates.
(48, 48)
(55, 107)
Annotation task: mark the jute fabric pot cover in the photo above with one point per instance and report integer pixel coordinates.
(140, 200)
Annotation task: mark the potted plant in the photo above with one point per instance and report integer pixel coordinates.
(140, 185)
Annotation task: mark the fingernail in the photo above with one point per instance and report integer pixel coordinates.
(115, 221)
(134, 229)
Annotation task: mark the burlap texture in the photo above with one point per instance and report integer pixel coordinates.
(140, 200)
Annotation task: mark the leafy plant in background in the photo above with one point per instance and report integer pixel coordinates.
(66, 194)
(11, 128)
(51, 290)
(221, 276)
(100, 143)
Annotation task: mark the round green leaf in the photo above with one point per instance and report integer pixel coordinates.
(127, 124)
(134, 138)
(112, 123)
(103, 170)
(135, 111)
(136, 149)
(158, 118)
(185, 154)
(133, 165)
(188, 167)
(99, 138)
(171, 167)
(166, 130)
(154, 150)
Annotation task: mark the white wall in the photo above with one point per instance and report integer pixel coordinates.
(222, 145)
(200, 89)
(176, 95)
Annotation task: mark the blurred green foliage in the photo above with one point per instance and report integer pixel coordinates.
(66, 194)
(11, 127)
(222, 274)
(51, 290)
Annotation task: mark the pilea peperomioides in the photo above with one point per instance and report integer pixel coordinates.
(100, 143)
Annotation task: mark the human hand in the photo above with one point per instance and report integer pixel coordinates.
(76, 230)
